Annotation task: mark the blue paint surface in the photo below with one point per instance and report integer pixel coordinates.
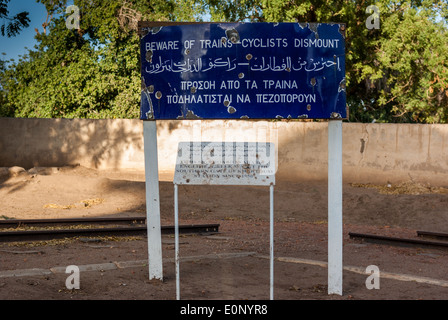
(243, 71)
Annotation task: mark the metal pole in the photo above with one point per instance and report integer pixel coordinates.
(176, 241)
(271, 246)
(155, 264)
(335, 266)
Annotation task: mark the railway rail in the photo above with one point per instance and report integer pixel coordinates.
(15, 223)
(49, 229)
(406, 242)
(433, 235)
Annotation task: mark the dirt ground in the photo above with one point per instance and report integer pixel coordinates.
(231, 265)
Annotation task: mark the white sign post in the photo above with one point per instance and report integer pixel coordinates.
(335, 266)
(217, 163)
(152, 201)
(225, 163)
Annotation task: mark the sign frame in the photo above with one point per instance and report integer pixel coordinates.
(272, 78)
(335, 239)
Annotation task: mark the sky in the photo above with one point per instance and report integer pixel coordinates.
(15, 46)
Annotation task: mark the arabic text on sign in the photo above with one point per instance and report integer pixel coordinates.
(259, 64)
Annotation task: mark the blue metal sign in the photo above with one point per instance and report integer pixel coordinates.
(243, 71)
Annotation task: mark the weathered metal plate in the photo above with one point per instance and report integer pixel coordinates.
(225, 163)
(243, 70)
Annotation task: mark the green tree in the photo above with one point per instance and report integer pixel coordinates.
(90, 72)
(397, 73)
(4, 112)
(10, 27)
(412, 72)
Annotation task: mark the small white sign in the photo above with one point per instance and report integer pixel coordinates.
(225, 163)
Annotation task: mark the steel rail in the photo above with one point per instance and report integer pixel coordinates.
(50, 234)
(14, 223)
(433, 235)
(398, 241)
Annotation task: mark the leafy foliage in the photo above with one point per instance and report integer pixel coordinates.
(397, 73)
(93, 72)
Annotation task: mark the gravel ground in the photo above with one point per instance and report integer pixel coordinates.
(232, 265)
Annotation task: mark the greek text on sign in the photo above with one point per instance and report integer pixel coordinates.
(225, 163)
(243, 71)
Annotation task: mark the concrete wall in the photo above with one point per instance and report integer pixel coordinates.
(101, 144)
(374, 153)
